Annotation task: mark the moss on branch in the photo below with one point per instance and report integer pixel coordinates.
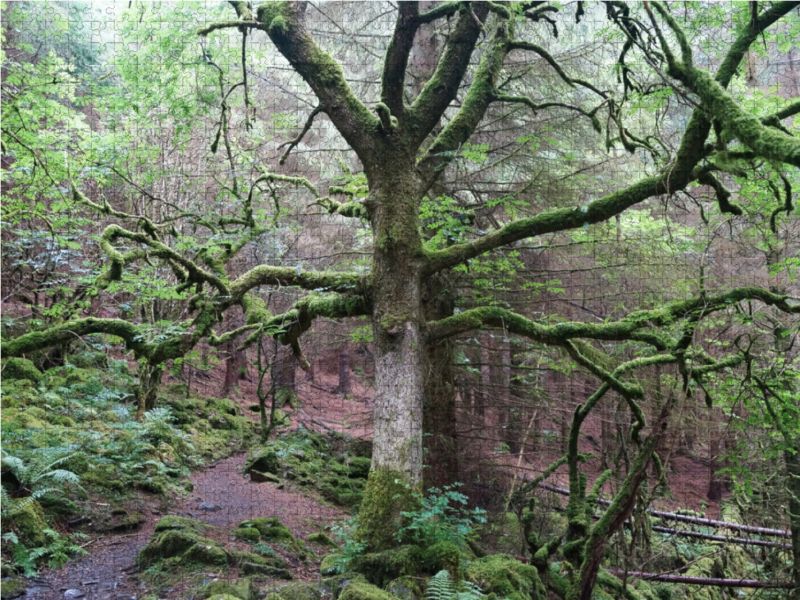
(443, 86)
(323, 74)
(69, 331)
(309, 280)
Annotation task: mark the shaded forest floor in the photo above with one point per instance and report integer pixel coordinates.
(222, 498)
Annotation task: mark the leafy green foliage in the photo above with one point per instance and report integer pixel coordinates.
(38, 476)
(442, 587)
(351, 550)
(443, 516)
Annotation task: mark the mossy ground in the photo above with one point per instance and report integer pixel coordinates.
(85, 409)
(332, 465)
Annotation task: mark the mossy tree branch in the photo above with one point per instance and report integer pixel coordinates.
(393, 76)
(763, 140)
(308, 280)
(441, 90)
(69, 331)
(480, 95)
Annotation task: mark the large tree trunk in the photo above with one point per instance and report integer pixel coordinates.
(396, 473)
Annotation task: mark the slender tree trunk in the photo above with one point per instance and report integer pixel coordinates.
(147, 390)
(518, 400)
(793, 483)
(439, 408)
(231, 371)
(345, 387)
(716, 451)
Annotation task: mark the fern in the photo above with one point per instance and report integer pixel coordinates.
(58, 550)
(442, 587)
(40, 468)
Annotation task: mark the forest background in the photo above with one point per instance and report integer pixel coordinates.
(186, 192)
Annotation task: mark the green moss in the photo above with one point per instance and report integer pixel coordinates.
(382, 567)
(21, 368)
(507, 578)
(320, 539)
(328, 565)
(184, 545)
(263, 461)
(270, 529)
(30, 523)
(248, 534)
(249, 568)
(12, 587)
(174, 522)
(243, 589)
(152, 485)
(103, 477)
(348, 493)
(359, 467)
(407, 588)
(286, 397)
(336, 584)
(443, 555)
(76, 376)
(359, 590)
(386, 496)
(300, 591)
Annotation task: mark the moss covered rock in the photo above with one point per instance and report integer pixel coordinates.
(443, 556)
(328, 564)
(270, 528)
(28, 518)
(178, 538)
(320, 539)
(248, 534)
(12, 587)
(243, 589)
(264, 460)
(507, 578)
(359, 590)
(299, 591)
(21, 368)
(174, 522)
(335, 584)
(382, 567)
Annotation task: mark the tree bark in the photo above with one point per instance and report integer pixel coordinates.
(345, 387)
(716, 451)
(397, 459)
(231, 370)
(439, 393)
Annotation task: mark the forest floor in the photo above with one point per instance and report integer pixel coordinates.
(109, 571)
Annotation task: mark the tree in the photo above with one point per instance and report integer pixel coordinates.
(404, 147)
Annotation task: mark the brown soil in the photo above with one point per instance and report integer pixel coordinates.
(109, 572)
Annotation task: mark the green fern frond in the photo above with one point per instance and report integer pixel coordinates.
(440, 587)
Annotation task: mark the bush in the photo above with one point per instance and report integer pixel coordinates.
(442, 517)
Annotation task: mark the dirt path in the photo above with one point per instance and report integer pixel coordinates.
(109, 572)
